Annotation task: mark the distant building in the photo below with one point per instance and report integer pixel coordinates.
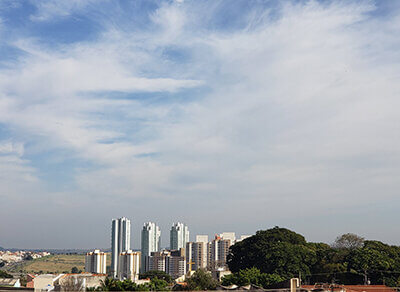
(95, 262)
(179, 236)
(196, 255)
(176, 263)
(202, 238)
(129, 264)
(151, 241)
(218, 252)
(120, 241)
(171, 262)
(229, 235)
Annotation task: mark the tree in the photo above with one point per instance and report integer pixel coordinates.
(377, 262)
(156, 274)
(201, 280)
(74, 270)
(4, 274)
(273, 251)
(348, 241)
(127, 285)
(251, 276)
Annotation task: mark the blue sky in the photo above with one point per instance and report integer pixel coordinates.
(227, 115)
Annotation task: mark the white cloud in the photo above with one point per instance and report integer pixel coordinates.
(49, 9)
(299, 111)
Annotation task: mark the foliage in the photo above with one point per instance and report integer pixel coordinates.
(156, 274)
(4, 274)
(274, 251)
(348, 241)
(127, 285)
(201, 280)
(28, 257)
(281, 252)
(74, 270)
(251, 276)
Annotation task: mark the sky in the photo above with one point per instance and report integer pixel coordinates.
(226, 115)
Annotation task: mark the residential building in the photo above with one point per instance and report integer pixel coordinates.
(202, 238)
(176, 263)
(196, 255)
(120, 241)
(95, 262)
(157, 260)
(229, 235)
(218, 252)
(128, 265)
(171, 262)
(151, 241)
(179, 236)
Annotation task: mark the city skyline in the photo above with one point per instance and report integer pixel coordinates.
(228, 116)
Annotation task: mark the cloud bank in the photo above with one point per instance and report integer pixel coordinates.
(229, 117)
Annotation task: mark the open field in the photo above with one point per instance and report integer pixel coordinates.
(60, 263)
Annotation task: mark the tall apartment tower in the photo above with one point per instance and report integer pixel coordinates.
(197, 253)
(219, 249)
(179, 236)
(120, 241)
(128, 265)
(151, 241)
(95, 262)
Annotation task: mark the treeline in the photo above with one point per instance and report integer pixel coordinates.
(279, 254)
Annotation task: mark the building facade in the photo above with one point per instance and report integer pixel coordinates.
(179, 236)
(151, 242)
(120, 241)
(171, 262)
(196, 255)
(95, 262)
(218, 252)
(129, 265)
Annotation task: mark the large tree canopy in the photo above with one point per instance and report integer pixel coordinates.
(274, 251)
(351, 260)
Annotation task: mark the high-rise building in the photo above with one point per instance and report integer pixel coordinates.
(151, 241)
(202, 238)
(172, 262)
(229, 235)
(179, 236)
(218, 252)
(120, 241)
(196, 255)
(128, 265)
(95, 262)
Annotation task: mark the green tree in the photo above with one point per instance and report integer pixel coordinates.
(156, 274)
(201, 280)
(4, 274)
(74, 270)
(251, 276)
(274, 251)
(377, 262)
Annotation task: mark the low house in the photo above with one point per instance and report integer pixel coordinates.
(78, 282)
(10, 282)
(29, 280)
(45, 282)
